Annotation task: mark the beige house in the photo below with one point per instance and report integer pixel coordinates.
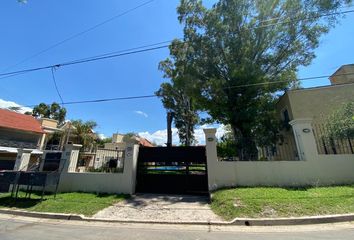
(316, 103)
(119, 143)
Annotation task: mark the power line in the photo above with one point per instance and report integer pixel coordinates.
(284, 81)
(120, 53)
(82, 61)
(123, 51)
(79, 34)
(104, 100)
(154, 95)
(307, 18)
(299, 9)
(56, 86)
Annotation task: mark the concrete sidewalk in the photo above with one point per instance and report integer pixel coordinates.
(155, 207)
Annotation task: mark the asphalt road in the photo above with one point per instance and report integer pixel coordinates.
(29, 228)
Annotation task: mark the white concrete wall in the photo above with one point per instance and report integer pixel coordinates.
(313, 169)
(102, 182)
(95, 182)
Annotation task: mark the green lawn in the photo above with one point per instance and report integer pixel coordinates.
(282, 202)
(78, 203)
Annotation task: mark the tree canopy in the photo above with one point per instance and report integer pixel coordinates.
(52, 111)
(84, 133)
(340, 124)
(175, 99)
(237, 55)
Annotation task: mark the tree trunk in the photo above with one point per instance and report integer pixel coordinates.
(246, 148)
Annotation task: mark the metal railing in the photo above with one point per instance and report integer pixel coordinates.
(101, 160)
(327, 144)
(17, 144)
(282, 150)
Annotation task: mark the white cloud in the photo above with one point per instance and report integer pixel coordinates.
(7, 104)
(102, 136)
(160, 136)
(141, 113)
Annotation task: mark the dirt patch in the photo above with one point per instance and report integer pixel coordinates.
(268, 212)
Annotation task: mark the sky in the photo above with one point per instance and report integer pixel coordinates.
(27, 29)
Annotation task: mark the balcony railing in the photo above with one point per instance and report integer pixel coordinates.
(17, 144)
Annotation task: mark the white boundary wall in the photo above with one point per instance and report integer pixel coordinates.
(71, 181)
(313, 169)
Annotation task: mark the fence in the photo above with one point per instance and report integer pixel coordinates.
(247, 150)
(17, 144)
(313, 169)
(101, 160)
(327, 144)
(99, 180)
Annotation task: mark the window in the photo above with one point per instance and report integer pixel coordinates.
(286, 119)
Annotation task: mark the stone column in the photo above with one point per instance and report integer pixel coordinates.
(212, 157)
(42, 140)
(69, 158)
(22, 159)
(130, 165)
(305, 139)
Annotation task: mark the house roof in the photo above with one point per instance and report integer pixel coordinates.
(14, 120)
(287, 92)
(144, 142)
(346, 66)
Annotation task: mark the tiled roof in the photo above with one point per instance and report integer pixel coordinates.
(145, 143)
(14, 120)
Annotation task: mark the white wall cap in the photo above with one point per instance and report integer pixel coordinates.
(209, 130)
(301, 121)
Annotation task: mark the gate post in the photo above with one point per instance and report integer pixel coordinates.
(22, 159)
(305, 139)
(69, 158)
(130, 165)
(211, 155)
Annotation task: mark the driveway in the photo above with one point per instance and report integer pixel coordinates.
(155, 207)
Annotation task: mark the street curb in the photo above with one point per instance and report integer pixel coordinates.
(58, 216)
(235, 222)
(293, 221)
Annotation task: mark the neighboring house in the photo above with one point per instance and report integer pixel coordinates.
(50, 128)
(18, 131)
(119, 143)
(316, 103)
(113, 150)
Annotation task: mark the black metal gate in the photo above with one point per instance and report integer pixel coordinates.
(178, 170)
(7, 162)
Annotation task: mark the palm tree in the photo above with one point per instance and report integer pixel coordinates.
(83, 133)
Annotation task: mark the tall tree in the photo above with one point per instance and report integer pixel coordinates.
(52, 111)
(238, 54)
(84, 133)
(175, 99)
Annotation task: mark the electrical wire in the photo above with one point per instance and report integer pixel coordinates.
(79, 34)
(124, 52)
(82, 61)
(56, 86)
(154, 95)
(104, 100)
